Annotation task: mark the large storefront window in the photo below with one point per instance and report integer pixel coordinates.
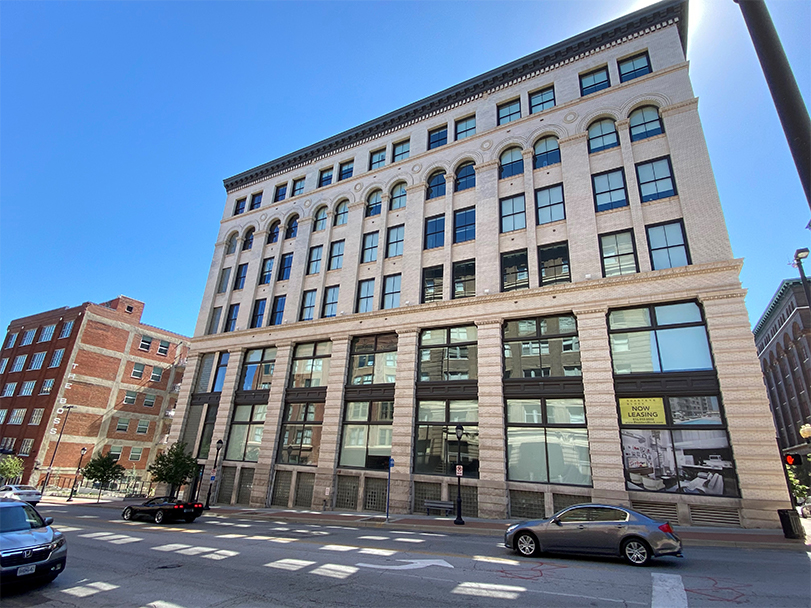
(367, 434)
(676, 444)
(204, 383)
(311, 365)
(541, 347)
(208, 430)
(301, 433)
(547, 441)
(373, 360)
(437, 448)
(450, 353)
(667, 338)
(257, 369)
(246, 433)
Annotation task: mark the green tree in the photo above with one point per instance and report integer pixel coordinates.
(174, 466)
(104, 469)
(797, 488)
(11, 467)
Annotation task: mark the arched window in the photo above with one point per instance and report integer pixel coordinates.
(320, 219)
(465, 177)
(341, 214)
(603, 135)
(398, 196)
(436, 185)
(373, 203)
(231, 244)
(292, 228)
(547, 152)
(512, 163)
(645, 122)
(247, 243)
(273, 233)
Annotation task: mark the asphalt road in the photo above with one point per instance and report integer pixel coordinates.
(239, 562)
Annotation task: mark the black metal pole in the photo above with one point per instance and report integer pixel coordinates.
(782, 85)
(75, 479)
(804, 281)
(459, 521)
(67, 409)
(211, 483)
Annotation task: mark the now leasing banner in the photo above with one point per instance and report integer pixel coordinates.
(647, 410)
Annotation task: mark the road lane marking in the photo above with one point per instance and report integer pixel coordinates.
(409, 540)
(196, 550)
(87, 517)
(220, 554)
(290, 564)
(668, 591)
(383, 552)
(230, 536)
(339, 548)
(334, 571)
(505, 592)
(410, 564)
(89, 589)
(96, 534)
(171, 547)
(373, 538)
(68, 529)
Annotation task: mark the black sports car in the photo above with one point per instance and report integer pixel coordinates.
(164, 508)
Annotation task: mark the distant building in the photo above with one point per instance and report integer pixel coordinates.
(95, 374)
(783, 339)
(537, 254)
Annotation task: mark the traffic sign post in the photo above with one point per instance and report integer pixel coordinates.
(460, 470)
(388, 487)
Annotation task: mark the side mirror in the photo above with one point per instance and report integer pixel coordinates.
(556, 521)
(49, 521)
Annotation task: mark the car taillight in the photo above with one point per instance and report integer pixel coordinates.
(178, 507)
(199, 505)
(665, 527)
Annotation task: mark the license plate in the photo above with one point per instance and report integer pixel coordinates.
(188, 510)
(23, 570)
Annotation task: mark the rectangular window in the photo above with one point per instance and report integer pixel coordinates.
(618, 254)
(369, 253)
(513, 216)
(435, 232)
(3, 365)
(285, 267)
(668, 247)
(146, 343)
(17, 416)
(346, 170)
(367, 433)
(373, 360)
(47, 387)
(336, 255)
(67, 327)
(143, 427)
(514, 270)
(609, 190)
(510, 111)
(135, 454)
(464, 279)
(157, 374)
(307, 312)
(325, 177)
(214, 322)
(465, 127)
(267, 271)
(655, 179)
(239, 206)
(37, 361)
(163, 348)
(277, 315)
(239, 279)
(394, 246)
(225, 278)
(298, 186)
(314, 261)
(542, 347)
(28, 337)
(549, 204)
(245, 436)
(300, 435)
(432, 284)
(366, 296)
(311, 364)
(123, 425)
(256, 201)
(437, 137)
(448, 354)
(553, 264)
(594, 81)
(257, 369)
(464, 225)
(19, 363)
(130, 397)
(281, 193)
(47, 333)
(36, 416)
(377, 159)
(56, 358)
(231, 319)
(258, 315)
(401, 150)
(25, 447)
(115, 452)
(12, 338)
(391, 291)
(634, 67)
(330, 306)
(27, 388)
(149, 400)
(542, 100)
(436, 447)
(3, 415)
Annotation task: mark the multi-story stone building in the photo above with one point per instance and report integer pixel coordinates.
(95, 376)
(781, 336)
(537, 254)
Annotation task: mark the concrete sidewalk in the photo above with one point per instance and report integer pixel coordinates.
(691, 536)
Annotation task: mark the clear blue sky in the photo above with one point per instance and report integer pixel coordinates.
(119, 120)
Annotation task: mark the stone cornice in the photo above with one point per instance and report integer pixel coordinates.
(662, 14)
(678, 108)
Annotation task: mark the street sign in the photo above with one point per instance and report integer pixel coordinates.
(213, 477)
(460, 470)
(391, 462)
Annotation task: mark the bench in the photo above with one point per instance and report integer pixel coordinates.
(439, 505)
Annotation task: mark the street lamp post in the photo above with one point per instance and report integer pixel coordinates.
(460, 430)
(75, 479)
(799, 256)
(67, 409)
(211, 483)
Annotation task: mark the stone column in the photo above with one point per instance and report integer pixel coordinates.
(183, 400)
(488, 214)
(402, 428)
(530, 218)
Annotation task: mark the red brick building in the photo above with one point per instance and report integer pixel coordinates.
(95, 375)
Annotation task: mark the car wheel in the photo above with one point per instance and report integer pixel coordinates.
(526, 544)
(189, 519)
(127, 514)
(636, 552)
(159, 517)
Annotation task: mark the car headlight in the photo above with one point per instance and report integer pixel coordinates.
(60, 542)
(512, 527)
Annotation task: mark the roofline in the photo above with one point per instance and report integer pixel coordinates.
(626, 25)
(778, 295)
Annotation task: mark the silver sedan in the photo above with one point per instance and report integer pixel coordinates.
(596, 529)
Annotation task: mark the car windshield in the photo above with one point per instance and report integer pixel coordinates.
(27, 488)
(19, 518)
